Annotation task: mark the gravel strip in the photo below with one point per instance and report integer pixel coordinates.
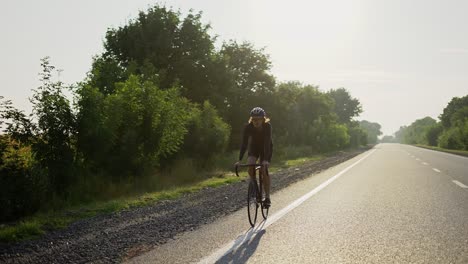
(113, 237)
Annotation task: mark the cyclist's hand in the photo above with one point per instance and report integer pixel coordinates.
(265, 163)
(235, 167)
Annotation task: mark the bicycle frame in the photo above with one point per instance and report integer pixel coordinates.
(260, 174)
(257, 166)
(258, 190)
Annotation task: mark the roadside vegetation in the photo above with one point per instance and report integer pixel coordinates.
(451, 151)
(160, 108)
(450, 134)
(36, 225)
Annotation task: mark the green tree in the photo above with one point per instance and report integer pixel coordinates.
(452, 138)
(105, 72)
(345, 106)
(56, 128)
(454, 120)
(332, 137)
(372, 130)
(132, 130)
(400, 134)
(151, 37)
(315, 111)
(23, 184)
(307, 119)
(193, 60)
(416, 133)
(433, 133)
(37, 159)
(171, 51)
(15, 123)
(284, 110)
(455, 111)
(208, 136)
(358, 137)
(387, 139)
(249, 84)
(159, 45)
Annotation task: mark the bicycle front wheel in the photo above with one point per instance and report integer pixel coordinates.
(264, 209)
(252, 205)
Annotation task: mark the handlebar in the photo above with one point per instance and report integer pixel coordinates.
(247, 165)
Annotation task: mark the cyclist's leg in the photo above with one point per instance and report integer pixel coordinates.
(251, 160)
(266, 181)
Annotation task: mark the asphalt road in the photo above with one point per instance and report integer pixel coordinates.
(392, 204)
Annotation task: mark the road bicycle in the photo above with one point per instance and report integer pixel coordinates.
(255, 194)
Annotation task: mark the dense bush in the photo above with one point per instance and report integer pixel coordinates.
(133, 129)
(208, 136)
(335, 137)
(433, 133)
(38, 152)
(357, 136)
(452, 138)
(23, 184)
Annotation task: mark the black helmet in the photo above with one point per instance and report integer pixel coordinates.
(257, 112)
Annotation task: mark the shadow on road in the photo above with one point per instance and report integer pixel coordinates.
(245, 246)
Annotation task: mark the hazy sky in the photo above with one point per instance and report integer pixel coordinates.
(403, 59)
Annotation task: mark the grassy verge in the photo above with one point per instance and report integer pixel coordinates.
(295, 162)
(456, 152)
(34, 226)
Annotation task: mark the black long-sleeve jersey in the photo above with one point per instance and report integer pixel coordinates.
(260, 144)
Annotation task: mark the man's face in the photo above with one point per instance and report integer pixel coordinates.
(257, 121)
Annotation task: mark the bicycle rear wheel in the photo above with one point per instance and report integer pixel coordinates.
(263, 195)
(252, 205)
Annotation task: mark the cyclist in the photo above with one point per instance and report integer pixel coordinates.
(257, 137)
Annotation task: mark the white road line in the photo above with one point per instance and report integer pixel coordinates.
(460, 184)
(424, 163)
(436, 169)
(251, 233)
